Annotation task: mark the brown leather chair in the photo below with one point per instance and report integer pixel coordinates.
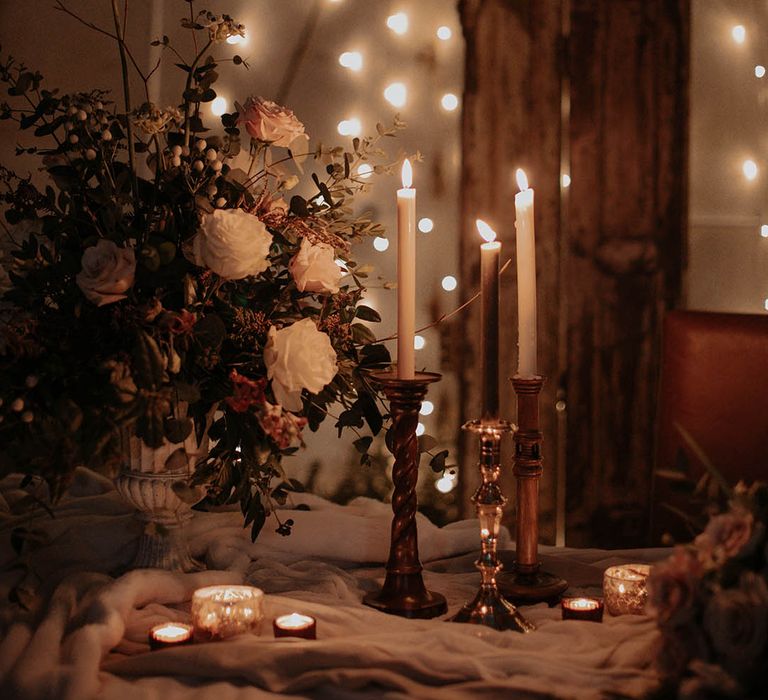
(714, 383)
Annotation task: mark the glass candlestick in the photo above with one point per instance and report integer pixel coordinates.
(489, 607)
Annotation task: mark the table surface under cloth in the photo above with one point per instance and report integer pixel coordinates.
(84, 635)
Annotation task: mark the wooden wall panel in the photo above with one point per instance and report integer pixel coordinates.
(609, 267)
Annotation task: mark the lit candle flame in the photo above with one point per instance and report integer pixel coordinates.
(522, 180)
(407, 174)
(485, 231)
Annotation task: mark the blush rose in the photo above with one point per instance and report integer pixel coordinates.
(267, 121)
(107, 272)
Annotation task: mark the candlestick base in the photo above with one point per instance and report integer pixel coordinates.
(526, 589)
(490, 609)
(404, 592)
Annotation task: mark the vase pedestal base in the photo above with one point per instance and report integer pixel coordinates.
(165, 547)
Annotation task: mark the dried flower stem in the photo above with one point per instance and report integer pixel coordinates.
(127, 97)
(448, 315)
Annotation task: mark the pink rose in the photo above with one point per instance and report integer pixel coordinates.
(269, 122)
(107, 272)
(673, 588)
(725, 536)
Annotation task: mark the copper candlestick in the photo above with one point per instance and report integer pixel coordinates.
(528, 583)
(489, 607)
(404, 592)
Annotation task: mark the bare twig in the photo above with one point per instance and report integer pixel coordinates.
(127, 97)
(448, 315)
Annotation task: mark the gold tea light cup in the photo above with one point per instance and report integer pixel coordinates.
(625, 589)
(220, 612)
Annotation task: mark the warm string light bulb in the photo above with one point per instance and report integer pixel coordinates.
(365, 171)
(444, 33)
(764, 231)
(396, 94)
(381, 244)
(420, 429)
(449, 283)
(419, 342)
(749, 168)
(449, 102)
(565, 180)
(398, 23)
(426, 224)
(353, 60)
(739, 33)
(350, 127)
(759, 71)
(218, 106)
(427, 407)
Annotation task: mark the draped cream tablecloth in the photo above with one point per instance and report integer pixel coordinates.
(84, 633)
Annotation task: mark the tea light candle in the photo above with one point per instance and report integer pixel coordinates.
(590, 609)
(295, 625)
(625, 590)
(169, 634)
(219, 612)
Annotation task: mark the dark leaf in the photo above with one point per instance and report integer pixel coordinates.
(177, 429)
(362, 444)
(366, 313)
(438, 461)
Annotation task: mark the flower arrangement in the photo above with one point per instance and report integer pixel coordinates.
(710, 599)
(164, 264)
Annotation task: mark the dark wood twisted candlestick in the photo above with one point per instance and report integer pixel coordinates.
(404, 592)
(527, 583)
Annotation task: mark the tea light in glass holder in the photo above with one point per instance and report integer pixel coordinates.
(170, 634)
(219, 612)
(590, 609)
(295, 625)
(624, 589)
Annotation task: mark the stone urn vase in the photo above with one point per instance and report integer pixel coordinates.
(149, 481)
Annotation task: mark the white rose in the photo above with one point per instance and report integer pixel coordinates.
(298, 357)
(314, 268)
(107, 272)
(233, 243)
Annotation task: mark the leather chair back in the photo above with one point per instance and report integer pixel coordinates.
(714, 383)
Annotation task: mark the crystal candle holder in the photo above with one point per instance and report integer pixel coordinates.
(219, 612)
(625, 590)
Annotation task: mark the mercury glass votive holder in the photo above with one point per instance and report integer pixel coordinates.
(219, 612)
(625, 589)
